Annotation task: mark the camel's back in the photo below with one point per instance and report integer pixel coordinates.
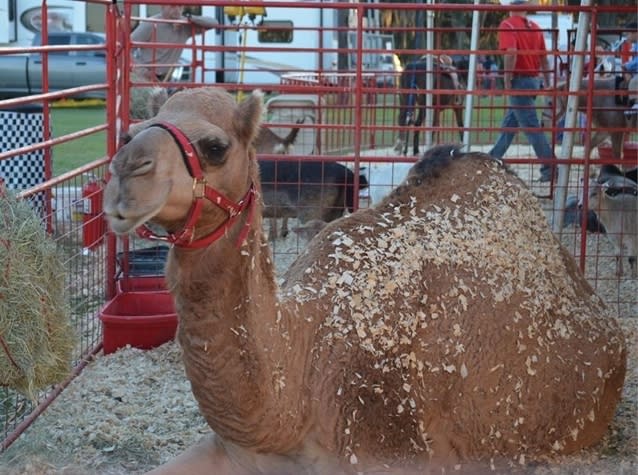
(453, 296)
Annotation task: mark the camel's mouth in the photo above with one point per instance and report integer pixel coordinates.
(130, 203)
(125, 215)
(126, 224)
(120, 225)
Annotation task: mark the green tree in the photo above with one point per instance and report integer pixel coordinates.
(612, 19)
(455, 33)
(457, 25)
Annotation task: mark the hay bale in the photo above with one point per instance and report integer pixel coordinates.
(36, 337)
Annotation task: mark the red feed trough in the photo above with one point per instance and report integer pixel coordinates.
(141, 319)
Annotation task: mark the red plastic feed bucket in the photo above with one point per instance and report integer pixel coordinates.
(141, 319)
(629, 159)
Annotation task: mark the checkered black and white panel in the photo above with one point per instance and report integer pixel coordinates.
(19, 129)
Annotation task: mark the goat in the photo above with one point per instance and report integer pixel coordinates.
(307, 190)
(269, 142)
(615, 199)
(573, 216)
(310, 229)
(573, 204)
(412, 101)
(611, 100)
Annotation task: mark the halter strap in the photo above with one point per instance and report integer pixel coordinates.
(186, 236)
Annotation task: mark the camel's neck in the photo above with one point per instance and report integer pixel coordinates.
(234, 333)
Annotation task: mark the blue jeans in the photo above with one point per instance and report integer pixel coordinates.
(522, 113)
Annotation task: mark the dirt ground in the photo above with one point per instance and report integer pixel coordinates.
(132, 410)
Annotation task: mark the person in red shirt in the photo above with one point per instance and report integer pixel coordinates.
(525, 60)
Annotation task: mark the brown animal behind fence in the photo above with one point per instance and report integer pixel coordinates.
(412, 99)
(611, 100)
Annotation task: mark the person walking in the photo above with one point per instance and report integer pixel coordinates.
(631, 64)
(525, 60)
(157, 63)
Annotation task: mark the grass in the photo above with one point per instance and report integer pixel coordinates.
(70, 155)
(487, 114)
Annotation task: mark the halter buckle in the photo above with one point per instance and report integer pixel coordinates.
(199, 188)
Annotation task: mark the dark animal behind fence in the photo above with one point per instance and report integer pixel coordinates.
(307, 190)
(412, 99)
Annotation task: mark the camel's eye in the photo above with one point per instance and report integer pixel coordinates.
(213, 151)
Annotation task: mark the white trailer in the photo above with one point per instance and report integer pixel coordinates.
(20, 20)
(264, 45)
(289, 40)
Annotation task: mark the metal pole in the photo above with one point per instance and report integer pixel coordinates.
(471, 77)
(567, 145)
(429, 76)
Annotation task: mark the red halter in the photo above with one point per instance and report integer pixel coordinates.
(186, 237)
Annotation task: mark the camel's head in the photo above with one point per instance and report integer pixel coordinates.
(152, 179)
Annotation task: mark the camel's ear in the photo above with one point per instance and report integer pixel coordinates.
(248, 117)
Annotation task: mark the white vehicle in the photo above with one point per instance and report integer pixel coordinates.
(284, 40)
(259, 50)
(20, 20)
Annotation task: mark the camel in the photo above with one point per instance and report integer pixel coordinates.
(444, 328)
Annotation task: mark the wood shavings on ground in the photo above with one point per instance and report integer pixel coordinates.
(126, 413)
